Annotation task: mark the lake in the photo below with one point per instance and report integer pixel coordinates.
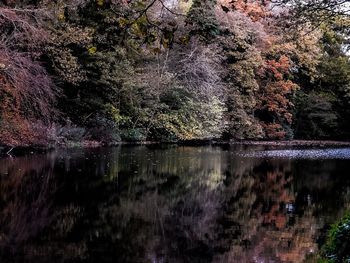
(171, 203)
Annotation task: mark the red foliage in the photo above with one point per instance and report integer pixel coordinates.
(27, 93)
(22, 28)
(274, 105)
(277, 67)
(16, 128)
(274, 131)
(274, 96)
(256, 10)
(26, 83)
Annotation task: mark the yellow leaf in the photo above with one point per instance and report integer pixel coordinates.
(61, 16)
(92, 50)
(123, 22)
(100, 2)
(184, 40)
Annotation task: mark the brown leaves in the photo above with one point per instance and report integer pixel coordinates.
(255, 10)
(275, 97)
(27, 93)
(22, 28)
(27, 84)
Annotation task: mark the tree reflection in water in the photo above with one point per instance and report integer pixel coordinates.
(26, 188)
(166, 204)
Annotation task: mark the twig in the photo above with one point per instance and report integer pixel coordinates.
(8, 152)
(169, 10)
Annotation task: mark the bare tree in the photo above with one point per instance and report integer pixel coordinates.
(336, 7)
(199, 68)
(22, 28)
(316, 11)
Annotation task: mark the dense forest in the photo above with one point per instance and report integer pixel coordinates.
(105, 71)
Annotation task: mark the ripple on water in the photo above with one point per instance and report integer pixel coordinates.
(333, 153)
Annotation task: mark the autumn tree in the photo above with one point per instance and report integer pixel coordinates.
(27, 93)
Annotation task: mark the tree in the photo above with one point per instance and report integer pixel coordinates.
(202, 17)
(340, 7)
(323, 107)
(27, 93)
(261, 59)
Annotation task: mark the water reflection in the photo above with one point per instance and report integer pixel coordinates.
(167, 204)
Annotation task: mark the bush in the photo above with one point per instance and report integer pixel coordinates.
(62, 135)
(134, 135)
(72, 133)
(337, 247)
(103, 129)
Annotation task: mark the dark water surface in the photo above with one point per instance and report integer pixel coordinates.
(170, 204)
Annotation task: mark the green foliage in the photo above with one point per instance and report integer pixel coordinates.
(68, 134)
(103, 129)
(189, 119)
(323, 106)
(317, 117)
(242, 60)
(337, 247)
(150, 70)
(202, 16)
(134, 135)
(335, 72)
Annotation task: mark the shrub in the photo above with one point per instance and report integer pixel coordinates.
(134, 135)
(337, 247)
(103, 129)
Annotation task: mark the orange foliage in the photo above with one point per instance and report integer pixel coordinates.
(276, 183)
(274, 97)
(274, 131)
(256, 10)
(278, 67)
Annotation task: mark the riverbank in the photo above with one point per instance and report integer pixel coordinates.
(316, 143)
(21, 149)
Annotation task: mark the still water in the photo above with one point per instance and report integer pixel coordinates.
(170, 204)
